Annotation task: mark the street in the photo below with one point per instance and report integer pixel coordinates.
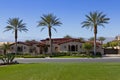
(39, 60)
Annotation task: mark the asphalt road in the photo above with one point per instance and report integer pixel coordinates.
(39, 60)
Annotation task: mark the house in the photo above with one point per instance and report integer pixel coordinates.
(58, 45)
(113, 47)
(69, 45)
(117, 37)
(32, 47)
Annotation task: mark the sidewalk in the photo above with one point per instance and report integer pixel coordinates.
(111, 56)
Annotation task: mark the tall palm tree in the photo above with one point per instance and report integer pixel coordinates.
(93, 20)
(15, 24)
(49, 20)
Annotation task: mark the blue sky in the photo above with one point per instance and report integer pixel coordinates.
(70, 12)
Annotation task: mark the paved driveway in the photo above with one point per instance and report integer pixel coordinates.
(38, 60)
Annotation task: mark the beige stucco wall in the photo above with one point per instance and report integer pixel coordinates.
(65, 46)
(25, 48)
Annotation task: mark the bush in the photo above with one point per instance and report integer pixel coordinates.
(8, 58)
(61, 54)
(33, 56)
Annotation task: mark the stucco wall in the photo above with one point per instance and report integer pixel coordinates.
(65, 46)
(25, 48)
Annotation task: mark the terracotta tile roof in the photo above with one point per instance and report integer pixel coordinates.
(21, 43)
(29, 43)
(62, 40)
(40, 44)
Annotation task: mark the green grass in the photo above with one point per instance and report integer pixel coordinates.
(61, 71)
(77, 57)
(67, 57)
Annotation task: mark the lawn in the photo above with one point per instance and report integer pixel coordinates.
(61, 71)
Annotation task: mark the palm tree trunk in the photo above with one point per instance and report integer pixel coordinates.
(16, 42)
(95, 35)
(49, 30)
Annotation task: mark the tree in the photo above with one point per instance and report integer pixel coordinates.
(91, 39)
(67, 36)
(7, 57)
(87, 47)
(5, 48)
(49, 20)
(113, 44)
(105, 45)
(15, 24)
(82, 39)
(101, 39)
(93, 20)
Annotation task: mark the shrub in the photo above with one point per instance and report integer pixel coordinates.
(33, 56)
(8, 58)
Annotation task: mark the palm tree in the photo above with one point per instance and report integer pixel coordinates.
(5, 47)
(15, 24)
(101, 39)
(93, 20)
(7, 57)
(49, 20)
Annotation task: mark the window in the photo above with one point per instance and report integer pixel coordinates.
(20, 49)
(72, 48)
(80, 46)
(24, 47)
(56, 49)
(12, 47)
(65, 47)
(69, 48)
(76, 47)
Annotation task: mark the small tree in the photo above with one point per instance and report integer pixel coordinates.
(87, 47)
(82, 39)
(91, 39)
(5, 48)
(101, 39)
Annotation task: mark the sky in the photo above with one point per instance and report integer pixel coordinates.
(70, 12)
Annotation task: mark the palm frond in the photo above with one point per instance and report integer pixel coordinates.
(54, 29)
(16, 23)
(49, 21)
(95, 19)
(42, 28)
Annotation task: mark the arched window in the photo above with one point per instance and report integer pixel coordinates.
(20, 49)
(73, 48)
(76, 47)
(69, 48)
